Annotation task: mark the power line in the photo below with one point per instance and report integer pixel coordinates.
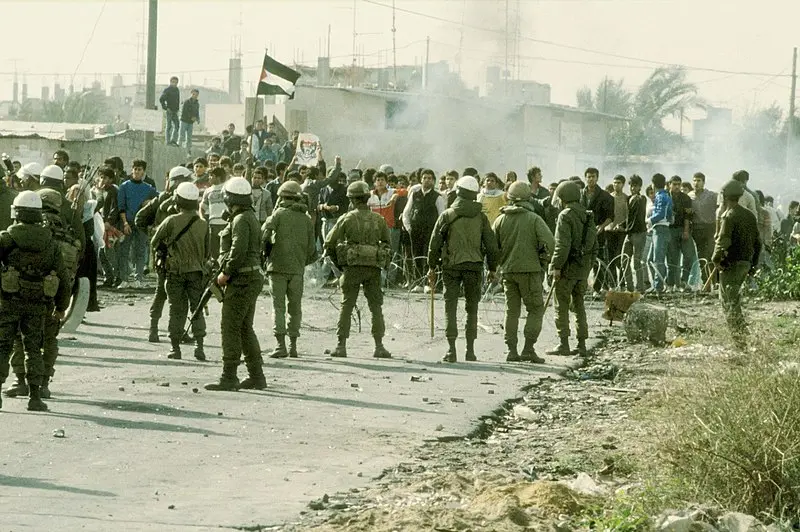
(577, 48)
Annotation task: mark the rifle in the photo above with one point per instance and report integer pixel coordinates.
(212, 289)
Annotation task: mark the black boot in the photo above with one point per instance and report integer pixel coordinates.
(580, 350)
(450, 356)
(44, 391)
(175, 352)
(562, 350)
(293, 347)
(529, 353)
(19, 388)
(280, 349)
(187, 339)
(35, 403)
(228, 382)
(93, 305)
(470, 354)
(341, 348)
(199, 354)
(153, 332)
(511, 352)
(255, 379)
(380, 351)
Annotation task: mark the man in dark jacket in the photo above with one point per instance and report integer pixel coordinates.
(170, 101)
(461, 239)
(635, 236)
(574, 254)
(600, 202)
(736, 254)
(519, 232)
(288, 242)
(190, 113)
(7, 195)
(681, 252)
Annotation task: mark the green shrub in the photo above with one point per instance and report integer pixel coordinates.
(782, 281)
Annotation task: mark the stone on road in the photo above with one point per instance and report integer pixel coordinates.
(142, 456)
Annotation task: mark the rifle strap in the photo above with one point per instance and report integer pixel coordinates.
(183, 231)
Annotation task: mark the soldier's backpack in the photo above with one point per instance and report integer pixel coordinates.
(358, 254)
(67, 242)
(576, 254)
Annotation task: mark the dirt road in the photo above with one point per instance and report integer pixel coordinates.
(146, 448)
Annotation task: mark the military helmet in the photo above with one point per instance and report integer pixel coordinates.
(179, 174)
(51, 199)
(357, 189)
(53, 172)
(188, 191)
(468, 183)
(519, 191)
(290, 189)
(732, 189)
(31, 169)
(27, 208)
(237, 191)
(568, 192)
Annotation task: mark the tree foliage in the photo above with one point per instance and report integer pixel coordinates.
(88, 107)
(666, 93)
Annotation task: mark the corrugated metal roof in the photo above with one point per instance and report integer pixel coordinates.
(47, 130)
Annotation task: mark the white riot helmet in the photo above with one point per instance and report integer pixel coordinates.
(27, 208)
(52, 172)
(237, 191)
(187, 196)
(468, 183)
(179, 174)
(31, 170)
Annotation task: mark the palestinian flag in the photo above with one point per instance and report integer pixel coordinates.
(276, 78)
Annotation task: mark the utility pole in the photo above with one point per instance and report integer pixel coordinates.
(505, 70)
(353, 68)
(790, 124)
(427, 59)
(150, 93)
(394, 47)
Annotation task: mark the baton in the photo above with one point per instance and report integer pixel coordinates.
(707, 284)
(433, 286)
(549, 295)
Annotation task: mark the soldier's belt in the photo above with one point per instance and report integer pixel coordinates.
(248, 269)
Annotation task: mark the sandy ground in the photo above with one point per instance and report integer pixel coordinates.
(146, 448)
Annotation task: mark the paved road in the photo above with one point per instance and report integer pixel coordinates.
(139, 455)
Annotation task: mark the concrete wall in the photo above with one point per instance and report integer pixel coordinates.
(128, 145)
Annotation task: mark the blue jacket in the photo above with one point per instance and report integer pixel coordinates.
(662, 209)
(132, 195)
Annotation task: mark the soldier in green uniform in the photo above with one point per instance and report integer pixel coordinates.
(519, 231)
(242, 279)
(359, 243)
(573, 256)
(462, 237)
(152, 214)
(736, 252)
(288, 242)
(34, 280)
(185, 238)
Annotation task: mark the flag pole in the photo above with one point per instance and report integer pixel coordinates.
(255, 103)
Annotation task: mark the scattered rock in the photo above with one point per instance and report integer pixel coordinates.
(171, 507)
(456, 400)
(164, 384)
(646, 322)
(585, 485)
(524, 412)
(195, 390)
(59, 433)
(327, 352)
(669, 522)
(121, 388)
(184, 384)
(738, 522)
(424, 399)
(219, 413)
(416, 378)
(354, 385)
(491, 392)
(439, 428)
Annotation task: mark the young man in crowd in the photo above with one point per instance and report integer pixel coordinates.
(425, 205)
(600, 202)
(704, 211)
(262, 199)
(635, 237)
(615, 231)
(133, 193)
(190, 114)
(681, 254)
(170, 101)
(660, 220)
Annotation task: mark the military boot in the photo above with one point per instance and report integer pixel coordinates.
(153, 332)
(293, 347)
(450, 356)
(228, 382)
(280, 349)
(511, 352)
(529, 353)
(187, 339)
(470, 354)
(341, 348)
(199, 354)
(562, 350)
(35, 403)
(255, 380)
(380, 351)
(44, 391)
(19, 388)
(580, 350)
(175, 352)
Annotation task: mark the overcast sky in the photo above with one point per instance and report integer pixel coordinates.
(46, 40)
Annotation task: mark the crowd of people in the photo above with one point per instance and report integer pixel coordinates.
(246, 209)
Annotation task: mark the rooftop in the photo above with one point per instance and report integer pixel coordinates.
(47, 130)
